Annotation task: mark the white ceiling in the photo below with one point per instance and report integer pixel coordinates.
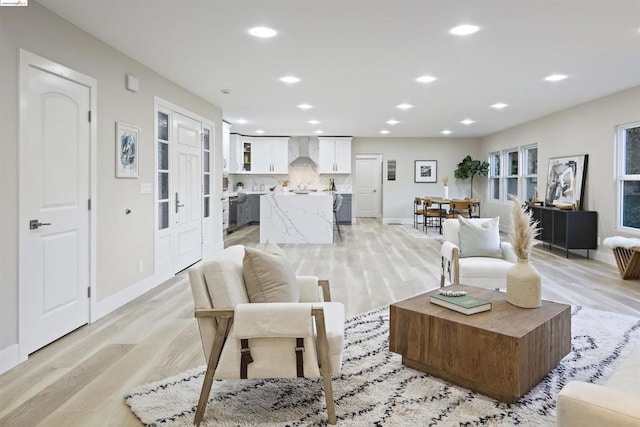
(358, 59)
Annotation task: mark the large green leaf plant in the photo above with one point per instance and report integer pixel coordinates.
(469, 168)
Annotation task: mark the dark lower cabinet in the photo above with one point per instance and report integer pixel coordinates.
(344, 214)
(567, 229)
(254, 208)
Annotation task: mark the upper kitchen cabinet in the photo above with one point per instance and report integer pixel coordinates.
(236, 153)
(334, 155)
(270, 155)
(226, 141)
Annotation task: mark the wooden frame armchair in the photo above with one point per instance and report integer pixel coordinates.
(244, 340)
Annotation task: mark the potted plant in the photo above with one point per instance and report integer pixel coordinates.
(469, 168)
(239, 185)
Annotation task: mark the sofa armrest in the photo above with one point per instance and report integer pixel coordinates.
(449, 250)
(313, 290)
(585, 404)
(508, 253)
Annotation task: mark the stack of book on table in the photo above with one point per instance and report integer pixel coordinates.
(464, 304)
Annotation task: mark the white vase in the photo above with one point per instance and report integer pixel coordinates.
(524, 285)
(446, 192)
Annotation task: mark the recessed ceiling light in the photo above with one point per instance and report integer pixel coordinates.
(426, 79)
(305, 106)
(241, 121)
(384, 131)
(313, 122)
(446, 132)
(499, 105)
(318, 131)
(260, 131)
(467, 121)
(392, 122)
(463, 30)
(555, 77)
(262, 32)
(289, 79)
(405, 106)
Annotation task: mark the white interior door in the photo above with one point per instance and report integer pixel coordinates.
(367, 185)
(187, 192)
(54, 212)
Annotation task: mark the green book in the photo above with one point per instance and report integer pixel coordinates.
(464, 304)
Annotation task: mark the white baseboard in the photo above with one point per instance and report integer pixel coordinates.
(9, 358)
(106, 306)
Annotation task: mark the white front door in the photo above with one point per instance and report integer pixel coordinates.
(54, 212)
(186, 205)
(367, 185)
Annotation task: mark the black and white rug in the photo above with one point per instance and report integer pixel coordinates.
(375, 389)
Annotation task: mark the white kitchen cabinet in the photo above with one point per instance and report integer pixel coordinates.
(226, 147)
(334, 155)
(269, 155)
(235, 153)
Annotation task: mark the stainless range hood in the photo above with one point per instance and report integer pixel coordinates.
(303, 159)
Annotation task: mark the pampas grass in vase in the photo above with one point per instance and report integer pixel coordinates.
(523, 281)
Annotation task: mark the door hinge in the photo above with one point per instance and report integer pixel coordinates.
(89, 116)
(89, 292)
(89, 204)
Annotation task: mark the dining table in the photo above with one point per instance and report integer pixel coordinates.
(438, 203)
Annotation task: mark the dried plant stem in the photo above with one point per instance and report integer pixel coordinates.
(524, 229)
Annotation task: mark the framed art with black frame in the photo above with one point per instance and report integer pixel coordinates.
(426, 171)
(566, 181)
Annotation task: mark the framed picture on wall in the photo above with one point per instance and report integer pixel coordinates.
(566, 181)
(127, 159)
(426, 171)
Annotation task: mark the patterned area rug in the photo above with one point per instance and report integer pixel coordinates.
(374, 388)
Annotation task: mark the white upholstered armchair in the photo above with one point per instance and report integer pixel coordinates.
(472, 253)
(258, 320)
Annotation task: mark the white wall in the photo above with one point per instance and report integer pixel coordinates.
(398, 195)
(585, 129)
(122, 240)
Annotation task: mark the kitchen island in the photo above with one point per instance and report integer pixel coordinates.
(296, 218)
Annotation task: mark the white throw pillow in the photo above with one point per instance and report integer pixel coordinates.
(479, 237)
(269, 277)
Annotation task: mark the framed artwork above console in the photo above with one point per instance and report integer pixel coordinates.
(566, 181)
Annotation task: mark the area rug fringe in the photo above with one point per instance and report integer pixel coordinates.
(375, 389)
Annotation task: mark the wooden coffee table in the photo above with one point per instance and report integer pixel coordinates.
(501, 353)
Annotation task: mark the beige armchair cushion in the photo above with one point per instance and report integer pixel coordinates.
(268, 277)
(224, 278)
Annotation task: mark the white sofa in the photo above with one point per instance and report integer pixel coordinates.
(616, 403)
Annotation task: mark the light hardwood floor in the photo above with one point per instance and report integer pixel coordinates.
(80, 380)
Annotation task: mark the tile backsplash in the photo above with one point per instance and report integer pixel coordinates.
(298, 177)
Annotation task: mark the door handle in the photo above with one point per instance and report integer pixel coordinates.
(178, 205)
(34, 224)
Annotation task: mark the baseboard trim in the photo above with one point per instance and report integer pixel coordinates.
(112, 303)
(10, 358)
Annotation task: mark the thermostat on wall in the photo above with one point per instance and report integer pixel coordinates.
(132, 83)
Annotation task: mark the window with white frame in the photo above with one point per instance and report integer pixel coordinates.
(494, 176)
(530, 184)
(508, 169)
(511, 159)
(163, 170)
(628, 149)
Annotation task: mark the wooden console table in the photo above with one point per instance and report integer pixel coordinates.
(501, 353)
(567, 229)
